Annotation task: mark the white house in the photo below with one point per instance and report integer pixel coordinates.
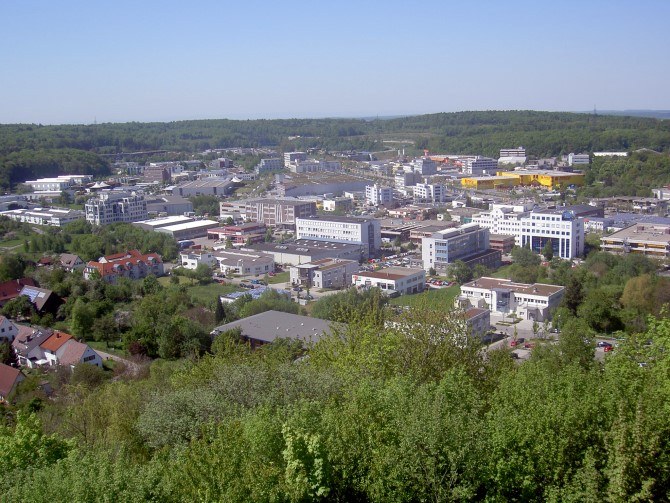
(192, 259)
(8, 331)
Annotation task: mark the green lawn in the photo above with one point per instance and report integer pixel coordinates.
(502, 273)
(202, 294)
(281, 277)
(431, 298)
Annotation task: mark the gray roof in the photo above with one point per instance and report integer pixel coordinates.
(271, 325)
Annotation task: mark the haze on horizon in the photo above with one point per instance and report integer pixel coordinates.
(76, 61)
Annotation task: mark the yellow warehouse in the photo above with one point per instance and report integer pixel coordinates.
(549, 179)
(488, 182)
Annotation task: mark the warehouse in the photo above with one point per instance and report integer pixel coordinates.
(189, 230)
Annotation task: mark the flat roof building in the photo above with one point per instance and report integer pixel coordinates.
(651, 240)
(188, 230)
(403, 280)
(269, 326)
(361, 231)
(156, 223)
(308, 250)
(53, 217)
(246, 263)
(529, 302)
(116, 206)
(324, 273)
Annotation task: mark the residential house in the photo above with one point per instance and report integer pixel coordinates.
(70, 262)
(37, 347)
(131, 264)
(9, 380)
(11, 289)
(45, 301)
(8, 331)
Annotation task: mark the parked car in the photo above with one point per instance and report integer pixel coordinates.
(516, 342)
(529, 345)
(297, 289)
(603, 344)
(609, 348)
(309, 297)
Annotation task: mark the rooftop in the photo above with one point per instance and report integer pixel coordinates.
(642, 232)
(506, 284)
(391, 273)
(272, 325)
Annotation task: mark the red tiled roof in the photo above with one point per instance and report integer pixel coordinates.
(8, 377)
(122, 261)
(56, 340)
(11, 289)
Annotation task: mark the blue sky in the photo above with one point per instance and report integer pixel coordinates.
(118, 61)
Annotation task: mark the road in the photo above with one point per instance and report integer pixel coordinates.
(132, 368)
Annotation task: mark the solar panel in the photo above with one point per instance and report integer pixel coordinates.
(31, 293)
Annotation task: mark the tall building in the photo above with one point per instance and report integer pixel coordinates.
(535, 228)
(363, 231)
(377, 195)
(291, 157)
(430, 193)
(269, 165)
(405, 179)
(449, 245)
(277, 212)
(112, 206)
(424, 166)
(314, 166)
(478, 165)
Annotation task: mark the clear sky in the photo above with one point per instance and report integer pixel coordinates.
(143, 60)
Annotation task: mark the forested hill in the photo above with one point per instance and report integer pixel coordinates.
(28, 150)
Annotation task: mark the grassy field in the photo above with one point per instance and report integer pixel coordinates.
(205, 294)
(431, 298)
(102, 346)
(282, 277)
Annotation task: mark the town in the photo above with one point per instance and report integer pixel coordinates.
(268, 266)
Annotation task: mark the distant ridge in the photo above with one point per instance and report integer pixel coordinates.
(652, 114)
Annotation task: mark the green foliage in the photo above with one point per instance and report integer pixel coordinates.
(460, 272)
(11, 267)
(352, 305)
(26, 446)
(205, 205)
(18, 307)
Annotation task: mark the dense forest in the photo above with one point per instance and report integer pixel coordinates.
(28, 150)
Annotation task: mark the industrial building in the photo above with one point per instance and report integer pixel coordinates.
(252, 232)
(246, 263)
(188, 230)
(157, 223)
(545, 178)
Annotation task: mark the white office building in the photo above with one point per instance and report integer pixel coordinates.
(430, 193)
(363, 231)
(445, 247)
(578, 159)
(291, 157)
(535, 228)
(479, 165)
(513, 152)
(192, 259)
(269, 165)
(58, 183)
(529, 302)
(403, 280)
(378, 195)
(53, 217)
(112, 206)
(314, 166)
